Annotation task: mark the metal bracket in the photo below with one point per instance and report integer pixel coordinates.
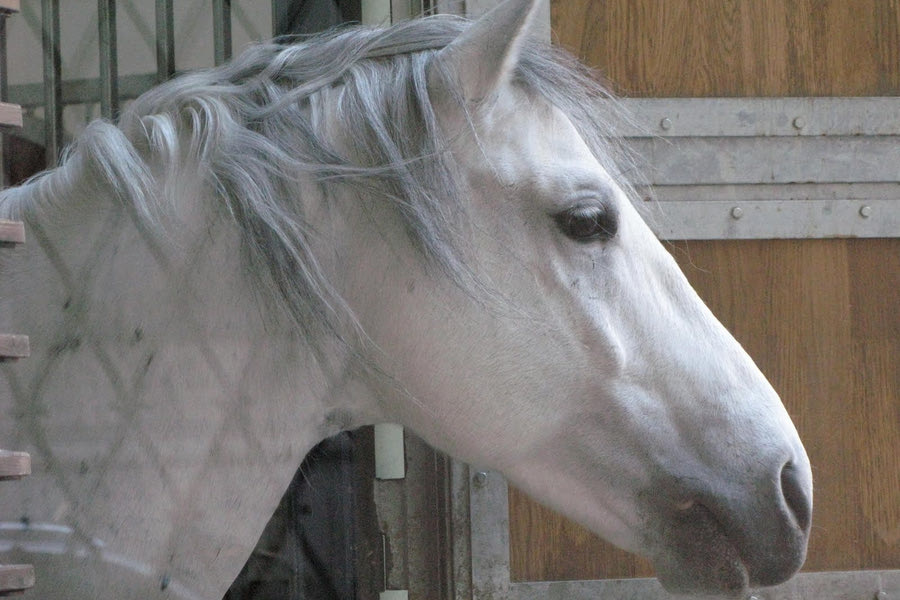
(491, 566)
(739, 168)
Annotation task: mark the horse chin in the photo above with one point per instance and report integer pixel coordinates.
(712, 574)
(700, 560)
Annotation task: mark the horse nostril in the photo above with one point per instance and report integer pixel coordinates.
(795, 496)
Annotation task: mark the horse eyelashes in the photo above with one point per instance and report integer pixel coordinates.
(588, 223)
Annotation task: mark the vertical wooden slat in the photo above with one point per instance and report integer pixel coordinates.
(14, 465)
(165, 40)
(109, 87)
(222, 31)
(15, 579)
(53, 109)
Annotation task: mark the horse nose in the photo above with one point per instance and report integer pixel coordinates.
(797, 496)
(774, 548)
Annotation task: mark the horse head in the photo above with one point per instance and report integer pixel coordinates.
(590, 373)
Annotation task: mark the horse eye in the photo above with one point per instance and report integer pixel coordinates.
(588, 223)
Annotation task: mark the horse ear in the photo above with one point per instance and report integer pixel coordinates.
(483, 58)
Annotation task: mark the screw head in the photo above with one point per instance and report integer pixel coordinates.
(865, 212)
(799, 123)
(737, 212)
(665, 124)
(480, 479)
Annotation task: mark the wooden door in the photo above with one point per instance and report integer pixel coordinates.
(820, 317)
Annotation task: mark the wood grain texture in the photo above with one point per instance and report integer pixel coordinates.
(15, 578)
(12, 232)
(10, 115)
(14, 346)
(822, 320)
(699, 48)
(14, 465)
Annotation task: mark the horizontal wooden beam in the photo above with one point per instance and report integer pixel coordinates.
(14, 346)
(14, 465)
(10, 114)
(12, 232)
(9, 6)
(15, 578)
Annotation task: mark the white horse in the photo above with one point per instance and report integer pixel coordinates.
(422, 224)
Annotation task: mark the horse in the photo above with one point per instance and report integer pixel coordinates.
(426, 224)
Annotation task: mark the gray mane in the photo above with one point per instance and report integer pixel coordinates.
(254, 127)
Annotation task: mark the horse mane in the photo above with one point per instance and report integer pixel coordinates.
(254, 130)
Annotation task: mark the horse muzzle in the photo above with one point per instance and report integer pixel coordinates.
(726, 540)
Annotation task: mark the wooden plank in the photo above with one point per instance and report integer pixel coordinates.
(9, 6)
(14, 346)
(14, 465)
(700, 48)
(10, 115)
(15, 578)
(12, 232)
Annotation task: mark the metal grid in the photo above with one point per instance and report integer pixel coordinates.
(74, 97)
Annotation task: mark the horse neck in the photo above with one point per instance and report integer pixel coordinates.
(164, 413)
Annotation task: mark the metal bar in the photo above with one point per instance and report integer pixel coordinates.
(4, 73)
(109, 92)
(835, 585)
(489, 531)
(793, 192)
(53, 123)
(221, 31)
(4, 93)
(739, 117)
(165, 40)
(775, 219)
(489, 514)
(81, 91)
(749, 160)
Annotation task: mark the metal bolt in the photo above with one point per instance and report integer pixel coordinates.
(480, 479)
(737, 212)
(865, 212)
(799, 123)
(665, 124)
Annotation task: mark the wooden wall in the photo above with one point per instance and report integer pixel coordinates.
(820, 317)
(692, 48)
